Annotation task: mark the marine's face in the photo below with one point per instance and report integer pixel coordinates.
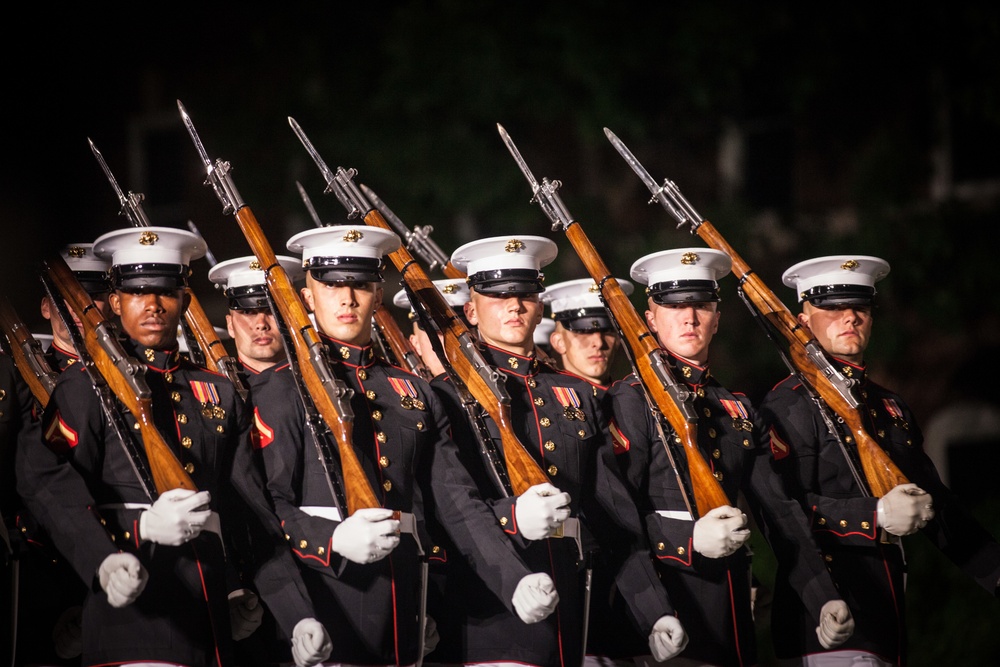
(505, 322)
(60, 334)
(587, 354)
(685, 329)
(151, 316)
(843, 331)
(255, 333)
(343, 310)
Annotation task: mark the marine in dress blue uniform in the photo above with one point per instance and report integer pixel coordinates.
(367, 588)
(89, 497)
(557, 416)
(703, 561)
(837, 294)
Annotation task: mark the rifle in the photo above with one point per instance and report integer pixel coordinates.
(418, 241)
(329, 394)
(207, 350)
(122, 374)
(394, 345)
(484, 383)
(27, 353)
(808, 362)
(664, 395)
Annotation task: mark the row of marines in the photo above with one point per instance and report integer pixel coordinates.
(604, 564)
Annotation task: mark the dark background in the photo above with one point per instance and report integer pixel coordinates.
(799, 130)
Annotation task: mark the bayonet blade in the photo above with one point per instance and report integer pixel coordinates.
(189, 124)
(309, 205)
(107, 172)
(644, 176)
(208, 251)
(313, 153)
(517, 158)
(386, 212)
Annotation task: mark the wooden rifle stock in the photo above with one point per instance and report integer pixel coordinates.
(217, 357)
(523, 470)
(880, 471)
(708, 494)
(167, 471)
(399, 343)
(357, 488)
(27, 354)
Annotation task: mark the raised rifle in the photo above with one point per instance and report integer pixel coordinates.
(27, 353)
(664, 395)
(204, 345)
(394, 346)
(830, 389)
(484, 383)
(110, 366)
(330, 395)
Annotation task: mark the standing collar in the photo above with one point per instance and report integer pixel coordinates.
(511, 363)
(350, 355)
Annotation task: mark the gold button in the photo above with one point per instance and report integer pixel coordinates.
(321, 551)
(362, 374)
(189, 468)
(661, 546)
(420, 426)
(175, 396)
(865, 525)
(848, 439)
(553, 470)
(168, 376)
(880, 433)
(435, 549)
(828, 558)
(370, 394)
(549, 446)
(581, 433)
(138, 426)
(864, 393)
(344, 352)
(150, 354)
(381, 437)
(711, 432)
(539, 401)
(821, 521)
(532, 383)
(127, 535)
(843, 523)
(909, 443)
(182, 419)
(377, 415)
(383, 461)
(545, 421)
(701, 392)
(717, 475)
(287, 537)
(716, 453)
(387, 485)
(746, 443)
(220, 428)
(503, 521)
(303, 544)
(677, 439)
(186, 442)
(680, 551)
(512, 362)
(874, 412)
(707, 412)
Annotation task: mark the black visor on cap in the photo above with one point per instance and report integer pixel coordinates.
(149, 276)
(504, 282)
(346, 269)
(684, 291)
(584, 319)
(247, 297)
(94, 282)
(840, 295)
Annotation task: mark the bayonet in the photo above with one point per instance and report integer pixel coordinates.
(418, 240)
(545, 193)
(659, 191)
(340, 183)
(131, 204)
(309, 205)
(218, 173)
(212, 261)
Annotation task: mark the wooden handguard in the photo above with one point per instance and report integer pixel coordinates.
(39, 377)
(167, 471)
(204, 333)
(399, 343)
(522, 469)
(357, 488)
(880, 472)
(708, 493)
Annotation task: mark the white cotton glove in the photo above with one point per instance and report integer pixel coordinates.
(431, 636)
(667, 638)
(540, 511)
(905, 509)
(67, 635)
(245, 613)
(535, 597)
(122, 577)
(176, 517)
(720, 532)
(366, 536)
(311, 644)
(835, 624)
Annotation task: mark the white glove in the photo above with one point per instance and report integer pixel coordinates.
(835, 624)
(431, 636)
(905, 509)
(720, 532)
(176, 517)
(311, 644)
(667, 638)
(245, 613)
(535, 597)
(67, 635)
(366, 536)
(540, 511)
(122, 577)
